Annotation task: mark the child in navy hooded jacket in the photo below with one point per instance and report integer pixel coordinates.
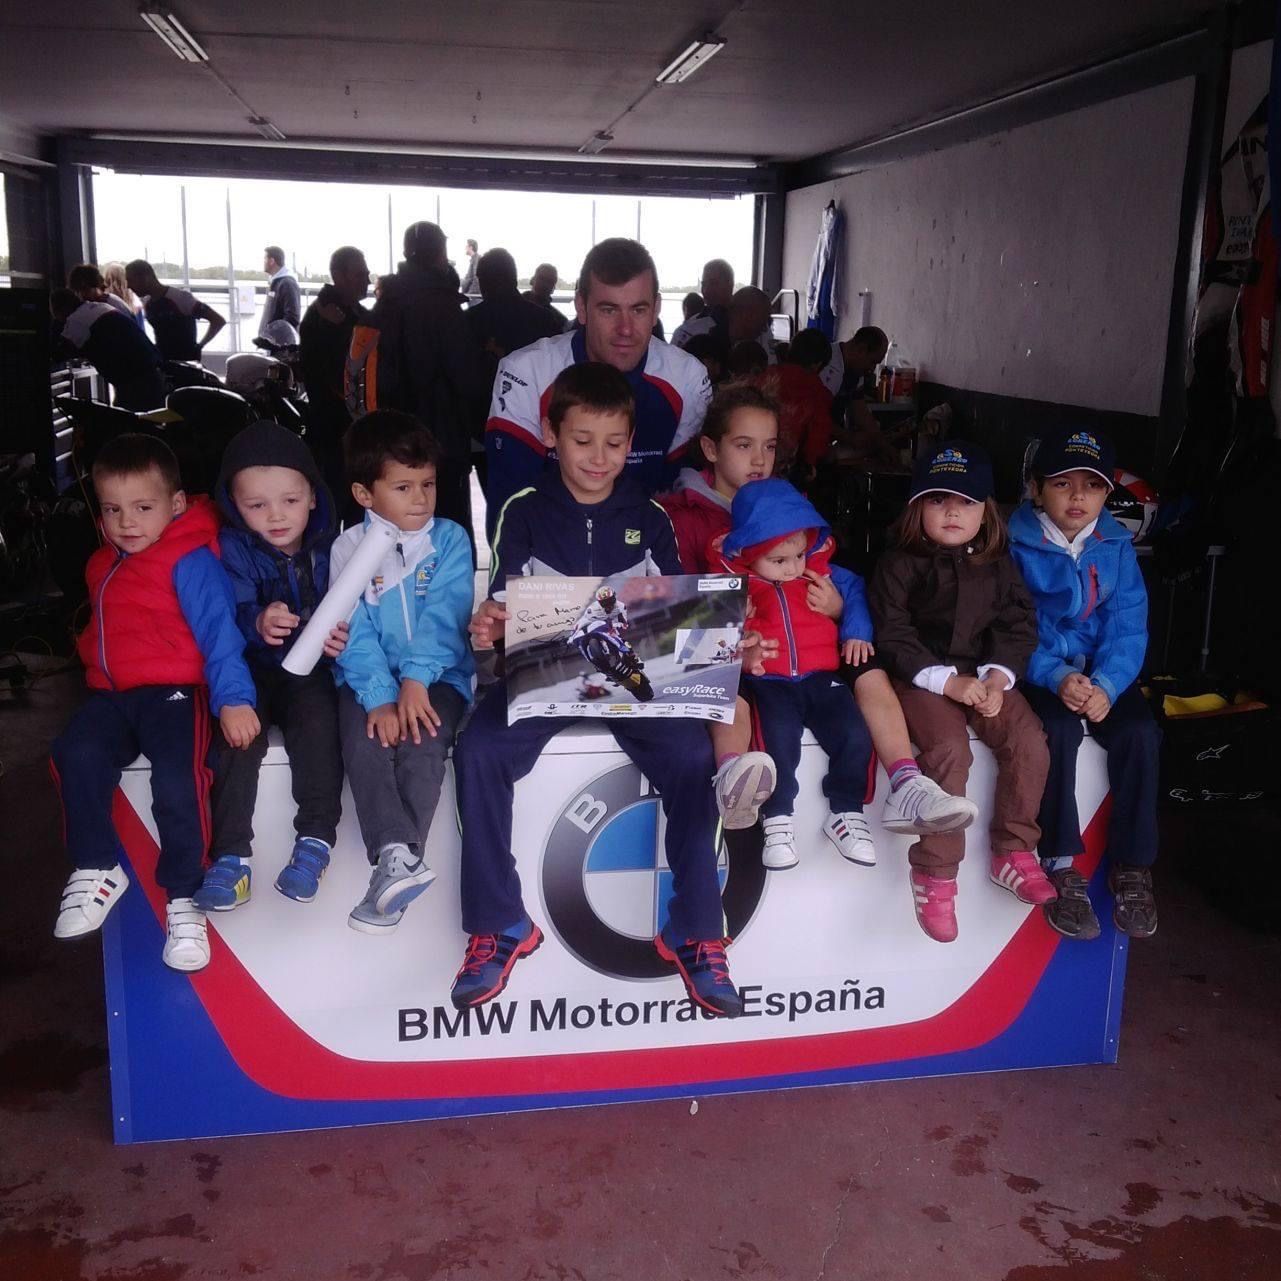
(776, 536)
(1092, 613)
(275, 549)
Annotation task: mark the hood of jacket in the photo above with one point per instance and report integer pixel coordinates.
(767, 510)
(267, 444)
(697, 489)
(413, 281)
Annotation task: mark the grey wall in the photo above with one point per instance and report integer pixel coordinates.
(1034, 263)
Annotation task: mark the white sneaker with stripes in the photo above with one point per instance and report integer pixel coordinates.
(921, 806)
(187, 937)
(89, 895)
(851, 835)
(780, 843)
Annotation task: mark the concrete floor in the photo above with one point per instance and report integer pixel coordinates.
(1166, 1167)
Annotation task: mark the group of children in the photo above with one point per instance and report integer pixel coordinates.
(195, 603)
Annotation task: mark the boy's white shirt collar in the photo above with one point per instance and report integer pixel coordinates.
(1073, 546)
(409, 548)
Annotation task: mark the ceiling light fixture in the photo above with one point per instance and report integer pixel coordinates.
(167, 26)
(596, 143)
(273, 133)
(687, 62)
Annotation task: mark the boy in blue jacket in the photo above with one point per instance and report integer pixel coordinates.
(583, 519)
(406, 672)
(1091, 610)
(275, 549)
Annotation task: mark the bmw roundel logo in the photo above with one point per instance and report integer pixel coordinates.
(605, 880)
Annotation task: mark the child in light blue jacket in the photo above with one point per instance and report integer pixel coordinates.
(406, 674)
(1092, 623)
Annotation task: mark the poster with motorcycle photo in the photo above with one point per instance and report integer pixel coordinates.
(624, 646)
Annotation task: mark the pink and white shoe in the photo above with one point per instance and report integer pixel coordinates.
(1020, 872)
(934, 898)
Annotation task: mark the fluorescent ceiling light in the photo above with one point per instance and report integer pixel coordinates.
(167, 26)
(273, 133)
(687, 62)
(596, 143)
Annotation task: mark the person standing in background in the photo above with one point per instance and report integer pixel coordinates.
(113, 276)
(86, 282)
(114, 345)
(542, 285)
(468, 284)
(172, 313)
(284, 298)
(717, 285)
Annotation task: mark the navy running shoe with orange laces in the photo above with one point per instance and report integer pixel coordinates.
(489, 962)
(704, 970)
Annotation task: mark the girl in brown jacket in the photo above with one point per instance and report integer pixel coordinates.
(956, 626)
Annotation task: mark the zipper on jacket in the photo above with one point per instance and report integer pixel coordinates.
(404, 602)
(102, 631)
(1093, 598)
(787, 629)
(591, 560)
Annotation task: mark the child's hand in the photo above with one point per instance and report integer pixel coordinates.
(821, 595)
(484, 624)
(384, 721)
(1075, 691)
(993, 695)
(413, 706)
(755, 652)
(967, 690)
(276, 622)
(239, 725)
(336, 641)
(1097, 706)
(857, 652)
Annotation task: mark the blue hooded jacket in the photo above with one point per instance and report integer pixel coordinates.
(259, 573)
(765, 510)
(1092, 613)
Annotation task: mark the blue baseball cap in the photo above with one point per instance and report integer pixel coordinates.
(1076, 449)
(954, 467)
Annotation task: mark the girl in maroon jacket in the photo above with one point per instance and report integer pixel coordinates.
(956, 625)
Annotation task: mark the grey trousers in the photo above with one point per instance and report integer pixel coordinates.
(396, 789)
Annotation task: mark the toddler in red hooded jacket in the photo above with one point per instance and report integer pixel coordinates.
(775, 536)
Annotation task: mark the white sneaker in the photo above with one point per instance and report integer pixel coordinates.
(921, 806)
(852, 837)
(90, 894)
(187, 946)
(780, 845)
(742, 786)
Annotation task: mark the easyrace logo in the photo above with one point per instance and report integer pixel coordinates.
(606, 883)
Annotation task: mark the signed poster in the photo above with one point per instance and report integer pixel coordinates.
(624, 646)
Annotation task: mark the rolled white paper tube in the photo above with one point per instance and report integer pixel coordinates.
(340, 599)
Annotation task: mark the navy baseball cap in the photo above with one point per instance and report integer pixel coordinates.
(1077, 449)
(954, 467)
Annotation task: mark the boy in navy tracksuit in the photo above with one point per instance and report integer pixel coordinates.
(275, 549)
(1092, 611)
(584, 519)
(162, 627)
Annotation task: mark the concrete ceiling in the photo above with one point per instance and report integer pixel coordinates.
(797, 77)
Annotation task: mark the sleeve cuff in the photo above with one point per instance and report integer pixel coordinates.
(1060, 674)
(933, 678)
(1105, 685)
(423, 675)
(1010, 679)
(376, 696)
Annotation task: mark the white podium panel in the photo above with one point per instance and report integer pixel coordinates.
(301, 1022)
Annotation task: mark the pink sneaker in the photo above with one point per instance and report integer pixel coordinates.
(1021, 874)
(934, 898)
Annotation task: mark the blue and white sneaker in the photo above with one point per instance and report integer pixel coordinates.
(489, 962)
(398, 878)
(226, 885)
(299, 879)
(703, 969)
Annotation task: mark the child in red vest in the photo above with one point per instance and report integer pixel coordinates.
(162, 629)
(775, 537)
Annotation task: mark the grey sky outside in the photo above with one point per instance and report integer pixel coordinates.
(138, 216)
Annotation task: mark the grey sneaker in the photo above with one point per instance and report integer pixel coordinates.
(397, 880)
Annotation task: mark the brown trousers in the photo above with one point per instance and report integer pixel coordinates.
(938, 727)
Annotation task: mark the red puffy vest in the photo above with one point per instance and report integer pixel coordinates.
(807, 641)
(137, 633)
